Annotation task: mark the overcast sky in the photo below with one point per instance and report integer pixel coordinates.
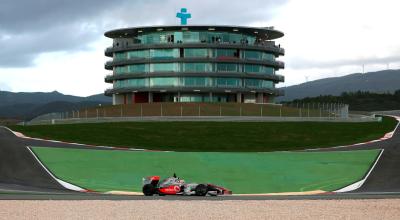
(49, 45)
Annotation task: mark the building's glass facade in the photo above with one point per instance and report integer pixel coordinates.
(194, 37)
(194, 64)
(221, 82)
(194, 67)
(193, 53)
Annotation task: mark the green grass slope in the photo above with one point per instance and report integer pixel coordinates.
(215, 136)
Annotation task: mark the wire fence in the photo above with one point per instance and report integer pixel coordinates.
(301, 110)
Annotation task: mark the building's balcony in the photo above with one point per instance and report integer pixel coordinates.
(275, 64)
(272, 77)
(267, 47)
(196, 89)
(280, 64)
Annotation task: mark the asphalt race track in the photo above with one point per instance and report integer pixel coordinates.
(385, 177)
(22, 177)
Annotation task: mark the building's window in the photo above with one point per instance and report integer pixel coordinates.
(164, 53)
(225, 37)
(197, 67)
(190, 37)
(132, 83)
(146, 39)
(252, 55)
(257, 55)
(119, 84)
(121, 69)
(249, 40)
(226, 67)
(267, 84)
(236, 38)
(163, 38)
(138, 68)
(196, 53)
(138, 54)
(268, 56)
(225, 53)
(219, 98)
(164, 81)
(204, 37)
(164, 67)
(249, 68)
(194, 37)
(178, 37)
(119, 56)
(227, 82)
(195, 81)
(268, 70)
(138, 82)
(258, 83)
(196, 99)
(192, 98)
(253, 83)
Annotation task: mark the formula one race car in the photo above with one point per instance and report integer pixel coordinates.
(176, 186)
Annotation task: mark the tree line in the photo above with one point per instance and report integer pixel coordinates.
(358, 101)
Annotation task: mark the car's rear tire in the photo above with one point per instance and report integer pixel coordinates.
(149, 190)
(201, 190)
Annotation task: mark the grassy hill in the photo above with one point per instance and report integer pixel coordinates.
(214, 136)
(387, 81)
(25, 106)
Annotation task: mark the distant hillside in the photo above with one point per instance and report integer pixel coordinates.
(376, 82)
(11, 98)
(26, 106)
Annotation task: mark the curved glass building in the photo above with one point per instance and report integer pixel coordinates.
(194, 64)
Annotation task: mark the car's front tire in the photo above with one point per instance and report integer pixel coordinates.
(149, 190)
(201, 190)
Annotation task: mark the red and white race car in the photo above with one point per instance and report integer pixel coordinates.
(176, 186)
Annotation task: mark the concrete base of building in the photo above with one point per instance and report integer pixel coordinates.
(150, 97)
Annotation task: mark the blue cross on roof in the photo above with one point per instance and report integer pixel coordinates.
(184, 16)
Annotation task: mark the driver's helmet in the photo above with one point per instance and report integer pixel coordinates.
(171, 181)
(180, 181)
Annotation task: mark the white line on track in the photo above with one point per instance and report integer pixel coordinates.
(358, 184)
(61, 182)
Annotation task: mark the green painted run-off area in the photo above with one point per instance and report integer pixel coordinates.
(103, 170)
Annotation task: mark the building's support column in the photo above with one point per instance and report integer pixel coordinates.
(239, 97)
(211, 97)
(269, 98)
(260, 97)
(250, 98)
(133, 98)
(114, 98)
(179, 96)
(118, 99)
(129, 98)
(150, 97)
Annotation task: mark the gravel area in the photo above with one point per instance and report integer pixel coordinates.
(161, 209)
